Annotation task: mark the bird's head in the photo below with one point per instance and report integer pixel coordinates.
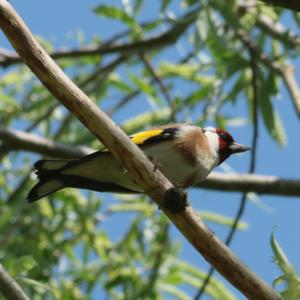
(223, 143)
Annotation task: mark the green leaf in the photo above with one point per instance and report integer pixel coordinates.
(145, 208)
(138, 4)
(144, 85)
(199, 95)
(193, 275)
(186, 71)
(22, 265)
(116, 13)
(289, 277)
(280, 258)
(40, 288)
(220, 121)
(26, 262)
(147, 119)
(238, 87)
(201, 29)
(222, 220)
(174, 291)
(117, 82)
(272, 121)
(8, 104)
(271, 117)
(152, 25)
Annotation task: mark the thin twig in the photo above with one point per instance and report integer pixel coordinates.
(278, 31)
(43, 117)
(98, 78)
(17, 139)
(123, 101)
(285, 71)
(254, 80)
(100, 71)
(8, 57)
(161, 85)
(287, 36)
(13, 139)
(158, 41)
(155, 268)
(242, 205)
(127, 98)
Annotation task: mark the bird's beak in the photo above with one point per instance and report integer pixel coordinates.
(238, 148)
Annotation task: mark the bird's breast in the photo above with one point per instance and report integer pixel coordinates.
(172, 163)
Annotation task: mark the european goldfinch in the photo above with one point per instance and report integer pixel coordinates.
(184, 153)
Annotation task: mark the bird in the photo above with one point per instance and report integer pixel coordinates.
(184, 153)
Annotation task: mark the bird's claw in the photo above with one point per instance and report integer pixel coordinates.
(175, 199)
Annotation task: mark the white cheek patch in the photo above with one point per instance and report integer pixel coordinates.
(213, 140)
(211, 129)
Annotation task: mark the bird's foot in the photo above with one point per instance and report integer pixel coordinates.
(175, 199)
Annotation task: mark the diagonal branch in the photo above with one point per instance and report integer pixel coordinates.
(149, 178)
(274, 28)
(278, 31)
(9, 287)
(286, 71)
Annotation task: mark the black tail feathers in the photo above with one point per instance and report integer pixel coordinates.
(50, 180)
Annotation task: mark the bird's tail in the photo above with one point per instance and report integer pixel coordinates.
(50, 179)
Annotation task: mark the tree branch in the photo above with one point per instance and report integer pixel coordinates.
(130, 96)
(161, 85)
(285, 71)
(9, 287)
(260, 184)
(159, 41)
(20, 140)
(278, 31)
(143, 171)
(275, 29)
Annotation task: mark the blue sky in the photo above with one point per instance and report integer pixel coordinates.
(48, 19)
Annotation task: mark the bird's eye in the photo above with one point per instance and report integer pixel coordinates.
(226, 137)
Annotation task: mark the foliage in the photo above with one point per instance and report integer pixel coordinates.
(289, 277)
(75, 245)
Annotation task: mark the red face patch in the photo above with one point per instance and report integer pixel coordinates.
(225, 140)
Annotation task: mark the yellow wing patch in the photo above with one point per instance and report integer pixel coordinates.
(140, 137)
